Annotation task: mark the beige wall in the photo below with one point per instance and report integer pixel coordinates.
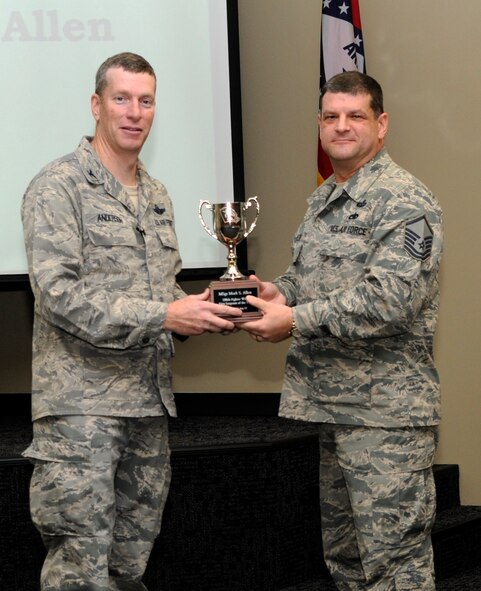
(280, 70)
(425, 54)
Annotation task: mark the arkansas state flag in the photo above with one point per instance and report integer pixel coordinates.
(342, 49)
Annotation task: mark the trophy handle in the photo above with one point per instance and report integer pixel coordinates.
(248, 203)
(209, 206)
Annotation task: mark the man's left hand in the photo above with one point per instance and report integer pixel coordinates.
(275, 324)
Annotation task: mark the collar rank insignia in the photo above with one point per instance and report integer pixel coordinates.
(418, 239)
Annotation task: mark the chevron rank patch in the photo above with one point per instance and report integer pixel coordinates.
(418, 238)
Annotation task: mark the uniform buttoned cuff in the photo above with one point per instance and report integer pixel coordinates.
(289, 294)
(306, 317)
(152, 325)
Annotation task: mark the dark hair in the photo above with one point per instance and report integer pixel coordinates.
(354, 82)
(131, 62)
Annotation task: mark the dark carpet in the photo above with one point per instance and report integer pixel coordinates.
(197, 451)
(469, 581)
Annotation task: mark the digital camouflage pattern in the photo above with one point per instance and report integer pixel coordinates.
(102, 275)
(364, 290)
(378, 504)
(363, 283)
(102, 270)
(80, 469)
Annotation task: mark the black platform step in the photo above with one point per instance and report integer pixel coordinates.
(446, 477)
(457, 551)
(314, 585)
(457, 541)
(469, 580)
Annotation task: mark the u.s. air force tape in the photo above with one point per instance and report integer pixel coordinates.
(418, 238)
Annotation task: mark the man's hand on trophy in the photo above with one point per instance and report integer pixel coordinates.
(195, 314)
(275, 324)
(268, 291)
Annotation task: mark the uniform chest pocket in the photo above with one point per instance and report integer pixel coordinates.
(111, 255)
(343, 263)
(344, 246)
(113, 235)
(331, 261)
(165, 233)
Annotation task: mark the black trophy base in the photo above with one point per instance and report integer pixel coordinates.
(233, 293)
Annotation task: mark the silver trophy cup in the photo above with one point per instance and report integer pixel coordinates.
(230, 227)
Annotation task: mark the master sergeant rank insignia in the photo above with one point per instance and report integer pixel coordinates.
(418, 239)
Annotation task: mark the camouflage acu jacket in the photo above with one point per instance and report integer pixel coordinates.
(102, 275)
(363, 280)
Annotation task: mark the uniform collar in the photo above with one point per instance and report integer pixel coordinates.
(360, 182)
(357, 185)
(96, 173)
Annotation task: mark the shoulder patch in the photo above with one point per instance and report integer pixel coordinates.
(418, 238)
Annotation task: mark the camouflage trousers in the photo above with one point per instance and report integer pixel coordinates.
(378, 504)
(97, 494)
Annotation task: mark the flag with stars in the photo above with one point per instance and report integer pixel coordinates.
(342, 49)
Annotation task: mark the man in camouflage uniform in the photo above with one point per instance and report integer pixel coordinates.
(360, 300)
(103, 256)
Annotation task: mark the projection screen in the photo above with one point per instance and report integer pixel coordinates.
(49, 53)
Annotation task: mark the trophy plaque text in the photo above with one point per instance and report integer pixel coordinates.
(230, 227)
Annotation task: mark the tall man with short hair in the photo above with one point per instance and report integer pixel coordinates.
(103, 259)
(360, 301)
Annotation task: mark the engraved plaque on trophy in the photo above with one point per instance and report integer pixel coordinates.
(230, 226)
